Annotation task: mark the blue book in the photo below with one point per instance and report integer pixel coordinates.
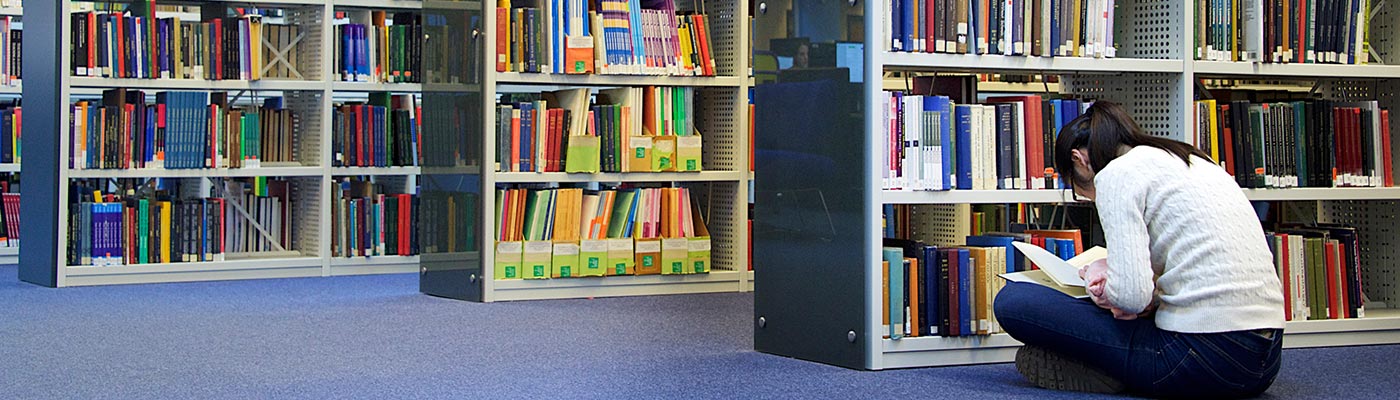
(894, 256)
(1055, 40)
(929, 271)
(1067, 249)
(1003, 242)
(888, 210)
(972, 9)
(897, 29)
(527, 112)
(963, 142)
(965, 293)
(347, 53)
(943, 138)
(906, 24)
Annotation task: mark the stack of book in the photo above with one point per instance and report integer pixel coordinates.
(140, 45)
(630, 37)
(10, 54)
(935, 144)
(134, 224)
(634, 129)
(259, 212)
(1042, 28)
(11, 122)
(1320, 268)
(563, 233)
(366, 221)
(179, 130)
(1313, 143)
(383, 132)
(384, 50)
(1284, 31)
(948, 290)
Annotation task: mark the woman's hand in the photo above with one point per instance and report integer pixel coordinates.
(1095, 276)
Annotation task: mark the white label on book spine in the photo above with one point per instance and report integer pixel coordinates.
(639, 141)
(594, 246)
(620, 245)
(509, 247)
(538, 247)
(565, 249)
(688, 141)
(648, 246)
(675, 244)
(699, 245)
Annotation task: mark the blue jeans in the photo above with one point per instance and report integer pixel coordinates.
(1150, 361)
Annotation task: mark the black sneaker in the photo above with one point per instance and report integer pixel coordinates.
(1049, 370)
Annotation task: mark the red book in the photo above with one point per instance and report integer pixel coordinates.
(1032, 136)
(1343, 286)
(930, 24)
(560, 125)
(1300, 29)
(502, 38)
(707, 60)
(1354, 126)
(160, 124)
(1287, 275)
(358, 136)
(128, 122)
(1332, 270)
(1339, 166)
(1385, 146)
(92, 44)
(1229, 139)
(218, 25)
(119, 70)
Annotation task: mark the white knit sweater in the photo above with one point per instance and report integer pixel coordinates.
(1194, 231)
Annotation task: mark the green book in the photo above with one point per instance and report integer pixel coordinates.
(1300, 148)
(143, 228)
(622, 209)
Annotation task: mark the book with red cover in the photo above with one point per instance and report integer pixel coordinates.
(1228, 139)
(1286, 272)
(1032, 136)
(707, 61)
(954, 272)
(930, 25)
(1331, 271)
(1386, 160)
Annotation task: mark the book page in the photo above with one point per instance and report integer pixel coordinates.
(1061, 271)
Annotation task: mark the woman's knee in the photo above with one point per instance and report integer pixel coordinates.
(1016, 300)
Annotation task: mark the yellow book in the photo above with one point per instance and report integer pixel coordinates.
(684, 36)
(164, 232)
(1214, 129)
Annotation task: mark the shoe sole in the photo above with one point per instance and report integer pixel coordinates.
(1052, 371)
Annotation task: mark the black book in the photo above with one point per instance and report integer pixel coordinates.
(1006, 153)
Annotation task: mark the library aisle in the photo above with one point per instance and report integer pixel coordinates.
(377, 337)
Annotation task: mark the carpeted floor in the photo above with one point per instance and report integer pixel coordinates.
(377, 337)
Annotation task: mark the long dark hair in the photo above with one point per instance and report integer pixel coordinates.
(1102, 129)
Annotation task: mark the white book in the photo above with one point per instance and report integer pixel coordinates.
(1296, 266)
(910, 142)
(1019, 137)
(1251, 11)
(989, 147)
(933, 160)
(1055, 273)
(1008, 45)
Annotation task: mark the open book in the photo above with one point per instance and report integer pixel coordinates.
(1054, 273)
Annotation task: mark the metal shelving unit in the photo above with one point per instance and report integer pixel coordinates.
(721, 102)
(312, 175)
(836, 262)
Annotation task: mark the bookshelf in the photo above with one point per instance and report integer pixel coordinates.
(721, 102)
(312, 176)
(818, 286)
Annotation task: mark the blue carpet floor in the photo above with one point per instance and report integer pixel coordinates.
(377, 337)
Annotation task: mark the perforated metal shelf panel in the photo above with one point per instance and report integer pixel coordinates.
(1149, 29)
(1154, 100)
(720, 129)
(727, 211)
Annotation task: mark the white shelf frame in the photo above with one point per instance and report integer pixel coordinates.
(1053, 65)
(718, 280)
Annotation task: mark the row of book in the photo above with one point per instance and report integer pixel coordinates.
(449, 221)
(386, 49)
(571, 232)
(367, 220)
(948, 290)
(258, 215)
(631, 37)
(383, 132)
(1320, 268)
(1041, 28)
(10, 55)
(1284, 31)
(11, 125)
(630, 129)
(179, 130)
(9, 211)
(1313, 143)
(140, 46)
(126, 226)
(933, 143)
